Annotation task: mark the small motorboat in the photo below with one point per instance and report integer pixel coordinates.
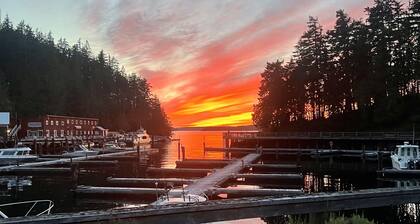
(111, 146)
(406, 157)
(80, 151)
(16, 155)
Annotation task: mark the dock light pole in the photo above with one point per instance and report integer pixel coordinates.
(414, 132)
(183, 193)
(157, 195)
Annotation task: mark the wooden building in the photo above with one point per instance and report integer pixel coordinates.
(54, 126)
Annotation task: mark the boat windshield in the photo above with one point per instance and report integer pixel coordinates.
(402, 151)
(414, 152)
(19, 153)
(8, 153)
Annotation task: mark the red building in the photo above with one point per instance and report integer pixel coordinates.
(61, 126)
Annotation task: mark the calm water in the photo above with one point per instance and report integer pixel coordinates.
(319, 177)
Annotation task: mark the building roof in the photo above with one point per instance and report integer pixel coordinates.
(71, 117)
(100, 128)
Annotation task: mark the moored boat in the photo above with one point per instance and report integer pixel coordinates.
(406, 157)
(79, 151)
(16, 155)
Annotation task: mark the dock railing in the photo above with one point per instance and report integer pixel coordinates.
(321, 135)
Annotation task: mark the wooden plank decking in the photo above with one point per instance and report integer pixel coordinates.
(221, 175)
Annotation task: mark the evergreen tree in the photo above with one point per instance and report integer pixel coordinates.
(38, 77)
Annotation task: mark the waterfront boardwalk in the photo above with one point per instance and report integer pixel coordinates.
(400, 136)
(231, 209)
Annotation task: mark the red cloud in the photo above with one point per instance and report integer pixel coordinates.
(201, 79)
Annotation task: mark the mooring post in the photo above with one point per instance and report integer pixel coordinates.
(179, 150)
(138, 153)
(157, 194)
(183, 152)
(35, 147)
(67, 144)
(53, 145)
(364, 154)
(380, 160)
(75, 173)
(204, 147)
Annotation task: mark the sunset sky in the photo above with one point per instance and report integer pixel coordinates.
(202, 58)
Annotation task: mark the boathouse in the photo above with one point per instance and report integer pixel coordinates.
(56, 126)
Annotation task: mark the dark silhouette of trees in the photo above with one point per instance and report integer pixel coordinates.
(39, 76)
(359, 75)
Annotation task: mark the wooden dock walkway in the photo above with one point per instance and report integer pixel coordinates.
(63, 161)
(205, 184)
(242, 208)
(221, 175)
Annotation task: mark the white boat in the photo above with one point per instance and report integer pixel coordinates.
(141, 137)
(16, 155)
(111, 146)
(79, 151)
(406, 157)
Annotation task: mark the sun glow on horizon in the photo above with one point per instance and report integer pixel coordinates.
(231, 120)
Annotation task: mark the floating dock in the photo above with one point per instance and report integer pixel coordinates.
(398, 173)
(66, 160)
(140, 181)
(242, 208)
(165, 172)
(270, 176)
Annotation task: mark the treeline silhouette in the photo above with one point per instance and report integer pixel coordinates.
(361, 75)
(39, 76)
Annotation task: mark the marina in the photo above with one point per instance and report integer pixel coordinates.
(212, 175)
(215, 112)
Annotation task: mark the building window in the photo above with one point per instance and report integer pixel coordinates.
(62, 123)
(76, 122)
(47, 133)
(72, 121)
(46, 122)
(56, 123)
(84, 122)
(55, 133)
(71, 133)
(68, 121)
(68, 132)
(62, 133)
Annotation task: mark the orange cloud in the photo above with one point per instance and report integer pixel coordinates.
(205, 69)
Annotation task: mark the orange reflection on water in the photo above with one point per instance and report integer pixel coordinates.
(194, 142)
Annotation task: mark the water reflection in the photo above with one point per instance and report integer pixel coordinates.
(194, 143)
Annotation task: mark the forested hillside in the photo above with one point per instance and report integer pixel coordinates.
(361, 75)
(39, 76)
